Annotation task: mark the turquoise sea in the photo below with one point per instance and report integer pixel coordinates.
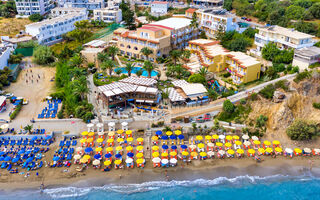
(277, 187)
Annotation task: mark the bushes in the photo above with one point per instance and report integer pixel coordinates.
(16, 111)
(35, 17)
(272, 53)
(268, 91)
(316, 105)
(196, 78)
(302, 130)
(301, 76)
(43, 55)
(284, 84)
(228, 106)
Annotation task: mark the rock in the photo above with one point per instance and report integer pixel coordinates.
(278, 96)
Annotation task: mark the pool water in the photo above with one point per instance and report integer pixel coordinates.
(135, 69)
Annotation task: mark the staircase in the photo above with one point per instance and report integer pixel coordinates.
(194, 63)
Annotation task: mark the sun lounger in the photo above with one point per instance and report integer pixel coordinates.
(68, 143)
(74, 143)
(4, 165)
(9, 167)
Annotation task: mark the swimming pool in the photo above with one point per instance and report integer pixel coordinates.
(135, 69)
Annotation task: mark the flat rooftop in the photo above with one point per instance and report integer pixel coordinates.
(244, 59)
(173, 23)
(292, 33)
(308, 51)
(53, 20)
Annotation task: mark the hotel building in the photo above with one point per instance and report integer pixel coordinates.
(108, 15)
(88, 4)
(58, 11)
(29, 7)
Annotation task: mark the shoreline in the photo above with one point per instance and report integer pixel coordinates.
(229, 168)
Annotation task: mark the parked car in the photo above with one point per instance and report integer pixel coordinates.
(8, 95)
(249, 19)
(244, 18)
(200, 119)
(207, 117)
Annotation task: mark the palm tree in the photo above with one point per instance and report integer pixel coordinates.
(178, 70)
(129, 67)
(146, 52)
(212, 94)
(149, 67)
(77, 72)
(113, 51)
(139, 72)
(28, 128)
(108, 64)
(80, 89)
(194, 22)
(186, 54)
(203, 71)
(76, 60)
(118, 71)
(102, 56)
(175, 54)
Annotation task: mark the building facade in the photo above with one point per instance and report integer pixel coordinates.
(161, 37)
(207, 3)
(159, 7)
(305, 57)
(88, 4)
(5, 52)
(284, 38)
(50, 31)
(29, 7)
(108, 15)
(215, 58)
(58, 11)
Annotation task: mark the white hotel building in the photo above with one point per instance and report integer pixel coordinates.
(108, 15)
(88, 4)
(29, 7)
(50, 31)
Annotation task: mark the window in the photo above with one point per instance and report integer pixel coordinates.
(129, 47)
(135, 48)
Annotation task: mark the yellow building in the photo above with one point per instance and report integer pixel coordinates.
(215, 58)
(161, 37)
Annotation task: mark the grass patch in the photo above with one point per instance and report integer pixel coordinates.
(12, 26)
(106, 79)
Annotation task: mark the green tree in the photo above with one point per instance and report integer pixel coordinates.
(139, 72)
(108, 64)
(196, 78)
(76, 60)
(35, 17)
(102, 56)
(8, 9)
(175, 55)
(302, 130)
(15, 59)
(28, 128)
(43, 55)
(113, 50)
(194, 21)
(212, 94)
(294, 12)
(80, 89)
(203, 71)
(228, 106)
(146, 52)
(129, 67)
(315, 10)
(261, 121)
(227, 4)
(270, 51)
(149, 67)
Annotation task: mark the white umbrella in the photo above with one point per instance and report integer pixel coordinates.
(246, 143)
(255, 138)
(129, 160)
(222, 137)
(156, 160)
(307, 150)
(210, 153)
(221, 152)
(96, 162)
(49, 98)
(164, 161)
(288, 150)
(99, 125)
(101, 133)
(124, 123)
(79, 149)
(90, 125)
(245, 137)
(192, 146)
(111, 124)
(77, 157)
(210, 144)
(4, 126)
(19, 98)
(317, 150)
(173, 160)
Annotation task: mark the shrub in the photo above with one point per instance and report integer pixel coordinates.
(243, 101)
(301, 76)
(15, 112)
(302, 130)
(35, 17)
(316, 105)
(226, 75)
(228, 106)
(253, 96)
(60, 114)
(282, 84)
(43, 55)
(268, 91)
(196, 78)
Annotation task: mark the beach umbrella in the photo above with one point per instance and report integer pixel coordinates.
(288, 150)
(84, 133)
(140, 161)
(155, 154)
(164, 154)
(96, 162)
(251, 151)
(168, 133)
(185, 153)
(34, 138)
(98, 149)
(210, 144)
(130, 154)
(2, 153)
(215, 136)
(21, 151)
(222, 137)
(307, 150)
(199, 137)
(107, 162)
(97, 156)
(88, 150)
(229, 137)
(193, 154)
(155, 148)
(128, 132)
(90, 134)
(164, 161)
(139, 155)
(4, 126)
(83, 140)
(235, 137)
(89, 140)
(230, 151)
(108, 155)
(208, 137)
(278, 149)
(129, 148)
(240, 151)
(48, 137)
(184, 146)
(173, 160)
(76, 157)
(256, 142)
(16, 159)
(173, 153)
(1, 158)
(269, 150)
(139, 148)
(7, 158)
(181, 137)
(130, 139)
(177, 132)
(276, 142)
(140, 139)
(118, 155)
(155, 138)
(111, 133)
(87, 157)
(221, 152)
(120, 140)
(120, 131)
(109, 149)
(174, 147)
(156, 160)
(267, 143)
(210, 153)
(255, 138)
(101, 133)
(158, 132)
(79, 149)
(173, 137)
(129, 160)
(110, 140)
(82, 160)
(203, 154)
(28, 152)
(228, 144)
(238, 143)
(165, 147)
(200, 145)
(192, 146)
(164, 137)
(56, 158)
(245, 137)
(247, 143)
(261, 150)
(118, 148)
(316, 151)
(100, 140)
(219, 144)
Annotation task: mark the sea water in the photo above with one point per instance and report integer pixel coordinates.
(276, 187)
